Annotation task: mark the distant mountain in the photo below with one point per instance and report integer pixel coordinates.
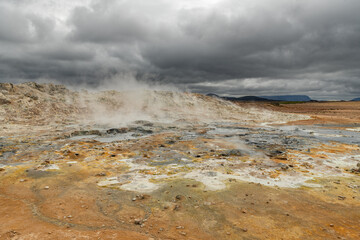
(356, 99)
(245, 98)
(248, 98)
(290, 98)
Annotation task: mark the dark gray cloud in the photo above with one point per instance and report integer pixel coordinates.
(228, 46)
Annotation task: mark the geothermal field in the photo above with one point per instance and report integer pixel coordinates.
(174, 165)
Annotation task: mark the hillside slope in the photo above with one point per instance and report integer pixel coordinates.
(37, 104)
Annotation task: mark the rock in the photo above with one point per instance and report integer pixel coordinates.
(138, 221)
(275, 153)
(117, 130)
(232, 152)
(178, 197)
(85, 133)
(142, 130)
(341, 197)
(140, 197)
(32, 96)
(46, 187)
(4, 101)
(337, 182)
(283, 166)
(102, 174)
(356, 170)
(7, 87)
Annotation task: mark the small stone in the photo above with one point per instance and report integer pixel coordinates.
(183, 233)
(179, 227)
(244, 230)
(331, 225)
(22, 180)
(46, 187)
(178, 197)
(102, 174)
(140, 196)
(138, 221)
(341, 197)
(283, 166)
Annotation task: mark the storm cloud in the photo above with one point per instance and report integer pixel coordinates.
(228, 47)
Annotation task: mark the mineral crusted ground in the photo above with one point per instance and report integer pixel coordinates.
(167, 165)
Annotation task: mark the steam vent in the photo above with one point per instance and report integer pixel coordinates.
(174, 165)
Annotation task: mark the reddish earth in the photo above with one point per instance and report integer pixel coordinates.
(321, 112)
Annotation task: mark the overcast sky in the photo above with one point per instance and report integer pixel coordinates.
(228, 47)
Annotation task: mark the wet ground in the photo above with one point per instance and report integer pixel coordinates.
(180, 180)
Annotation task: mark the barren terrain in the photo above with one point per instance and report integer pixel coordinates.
(172, 165)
